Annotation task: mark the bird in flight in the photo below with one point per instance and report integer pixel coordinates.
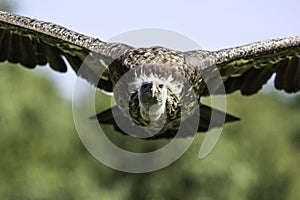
(157, 90)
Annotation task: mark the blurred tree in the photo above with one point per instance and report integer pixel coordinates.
(5, 5)
(43, 158)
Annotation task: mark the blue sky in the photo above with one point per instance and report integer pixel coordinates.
(212, 24)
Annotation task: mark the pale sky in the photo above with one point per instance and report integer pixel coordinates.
(212, 24)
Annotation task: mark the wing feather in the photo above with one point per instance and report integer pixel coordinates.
(28, 57)
(31, 42)
(248, 68)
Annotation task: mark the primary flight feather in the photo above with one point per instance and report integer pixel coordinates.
(162, 87)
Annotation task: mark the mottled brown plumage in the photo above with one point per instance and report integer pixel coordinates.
(186, 76)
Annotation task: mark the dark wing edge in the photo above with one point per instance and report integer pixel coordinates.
(30, 42)
(247, 68)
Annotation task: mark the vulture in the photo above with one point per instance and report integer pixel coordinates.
(157, 90)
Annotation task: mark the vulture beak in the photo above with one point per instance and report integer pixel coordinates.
(154, 89)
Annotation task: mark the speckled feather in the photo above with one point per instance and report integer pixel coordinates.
(248, 68)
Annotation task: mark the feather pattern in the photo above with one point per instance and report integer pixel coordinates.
(248, 68)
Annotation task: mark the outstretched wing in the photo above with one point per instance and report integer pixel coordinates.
(31, 42)
(248, 68)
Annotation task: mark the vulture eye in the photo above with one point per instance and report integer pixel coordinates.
(161, 86)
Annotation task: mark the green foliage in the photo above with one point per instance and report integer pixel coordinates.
(43, 158)
(32, 138)
(5, 5)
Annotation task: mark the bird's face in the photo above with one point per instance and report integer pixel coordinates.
(152, 98)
